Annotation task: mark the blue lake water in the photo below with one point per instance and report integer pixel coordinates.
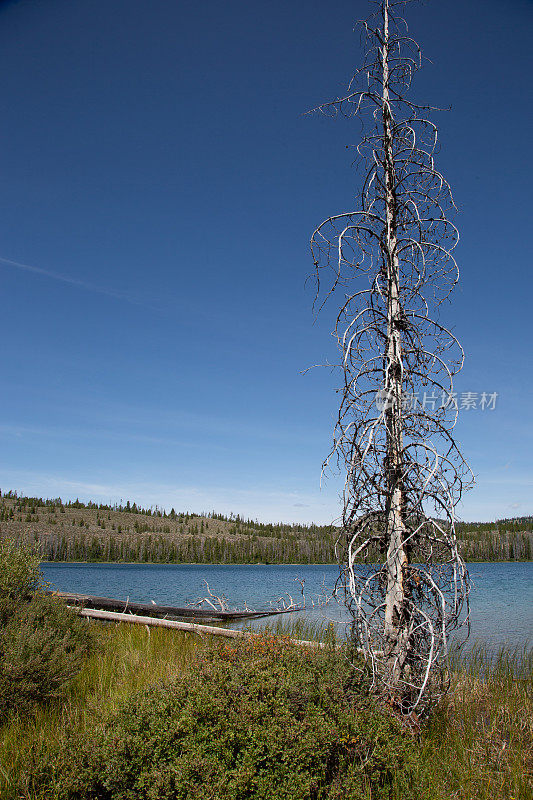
(501, 600)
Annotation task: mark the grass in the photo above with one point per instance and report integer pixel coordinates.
(127, 661)
(300, 629)
(477, 745)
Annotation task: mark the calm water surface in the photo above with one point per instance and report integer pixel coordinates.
(501, 600)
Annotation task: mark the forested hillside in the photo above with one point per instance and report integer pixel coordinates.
(75, 531)
(503, 540)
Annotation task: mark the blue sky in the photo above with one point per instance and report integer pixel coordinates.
(159, 184)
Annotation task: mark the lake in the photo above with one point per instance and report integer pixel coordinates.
(501, 600)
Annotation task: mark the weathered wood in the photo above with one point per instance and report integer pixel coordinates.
(191, 627)
(396, 625)
(170, 612)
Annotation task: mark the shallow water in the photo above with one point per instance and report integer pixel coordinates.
(501, 600)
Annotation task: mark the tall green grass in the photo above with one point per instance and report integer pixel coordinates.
(299, 628)
(128, 660)
(479, 743)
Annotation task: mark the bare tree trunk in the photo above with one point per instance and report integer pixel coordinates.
(395, 618)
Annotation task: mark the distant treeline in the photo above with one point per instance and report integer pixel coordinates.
(126, 532)
(505, 540)
(191, 550)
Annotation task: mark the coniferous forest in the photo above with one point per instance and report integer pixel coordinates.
(76, 531)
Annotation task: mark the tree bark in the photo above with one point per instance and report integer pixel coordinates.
(395, 622)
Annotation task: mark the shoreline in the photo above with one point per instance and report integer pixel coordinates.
(198, 563)
(246, 563)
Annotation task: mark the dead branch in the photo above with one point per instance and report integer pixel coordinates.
(391, 258)
(222, 602)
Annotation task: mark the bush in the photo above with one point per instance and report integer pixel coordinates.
(42, 647)
(20, 576)
(267, 720)
(42, 642)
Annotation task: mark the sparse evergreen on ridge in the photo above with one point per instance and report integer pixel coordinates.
(127, 532)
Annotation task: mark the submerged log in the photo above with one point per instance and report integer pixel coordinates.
(168, 612)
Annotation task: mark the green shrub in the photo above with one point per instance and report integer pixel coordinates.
(42, 647)
(19, 576)
(263, 721)
(42, 642)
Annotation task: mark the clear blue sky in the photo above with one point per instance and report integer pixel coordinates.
(160, 180)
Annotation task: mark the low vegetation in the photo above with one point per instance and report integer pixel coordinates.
(75, 531)
(121, 712)
(43, 644)
(165, 715)
(101, 712)
(479, 743)
(261, 720)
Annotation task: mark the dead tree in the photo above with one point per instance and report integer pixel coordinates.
(391, 259)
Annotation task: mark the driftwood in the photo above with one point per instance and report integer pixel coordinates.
(169, 612)
(191, 627)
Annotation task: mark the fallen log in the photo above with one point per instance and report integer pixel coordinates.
(191, 627)
(169, 612)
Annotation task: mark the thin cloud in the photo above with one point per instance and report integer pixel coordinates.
(267, 505)
(57, 276)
